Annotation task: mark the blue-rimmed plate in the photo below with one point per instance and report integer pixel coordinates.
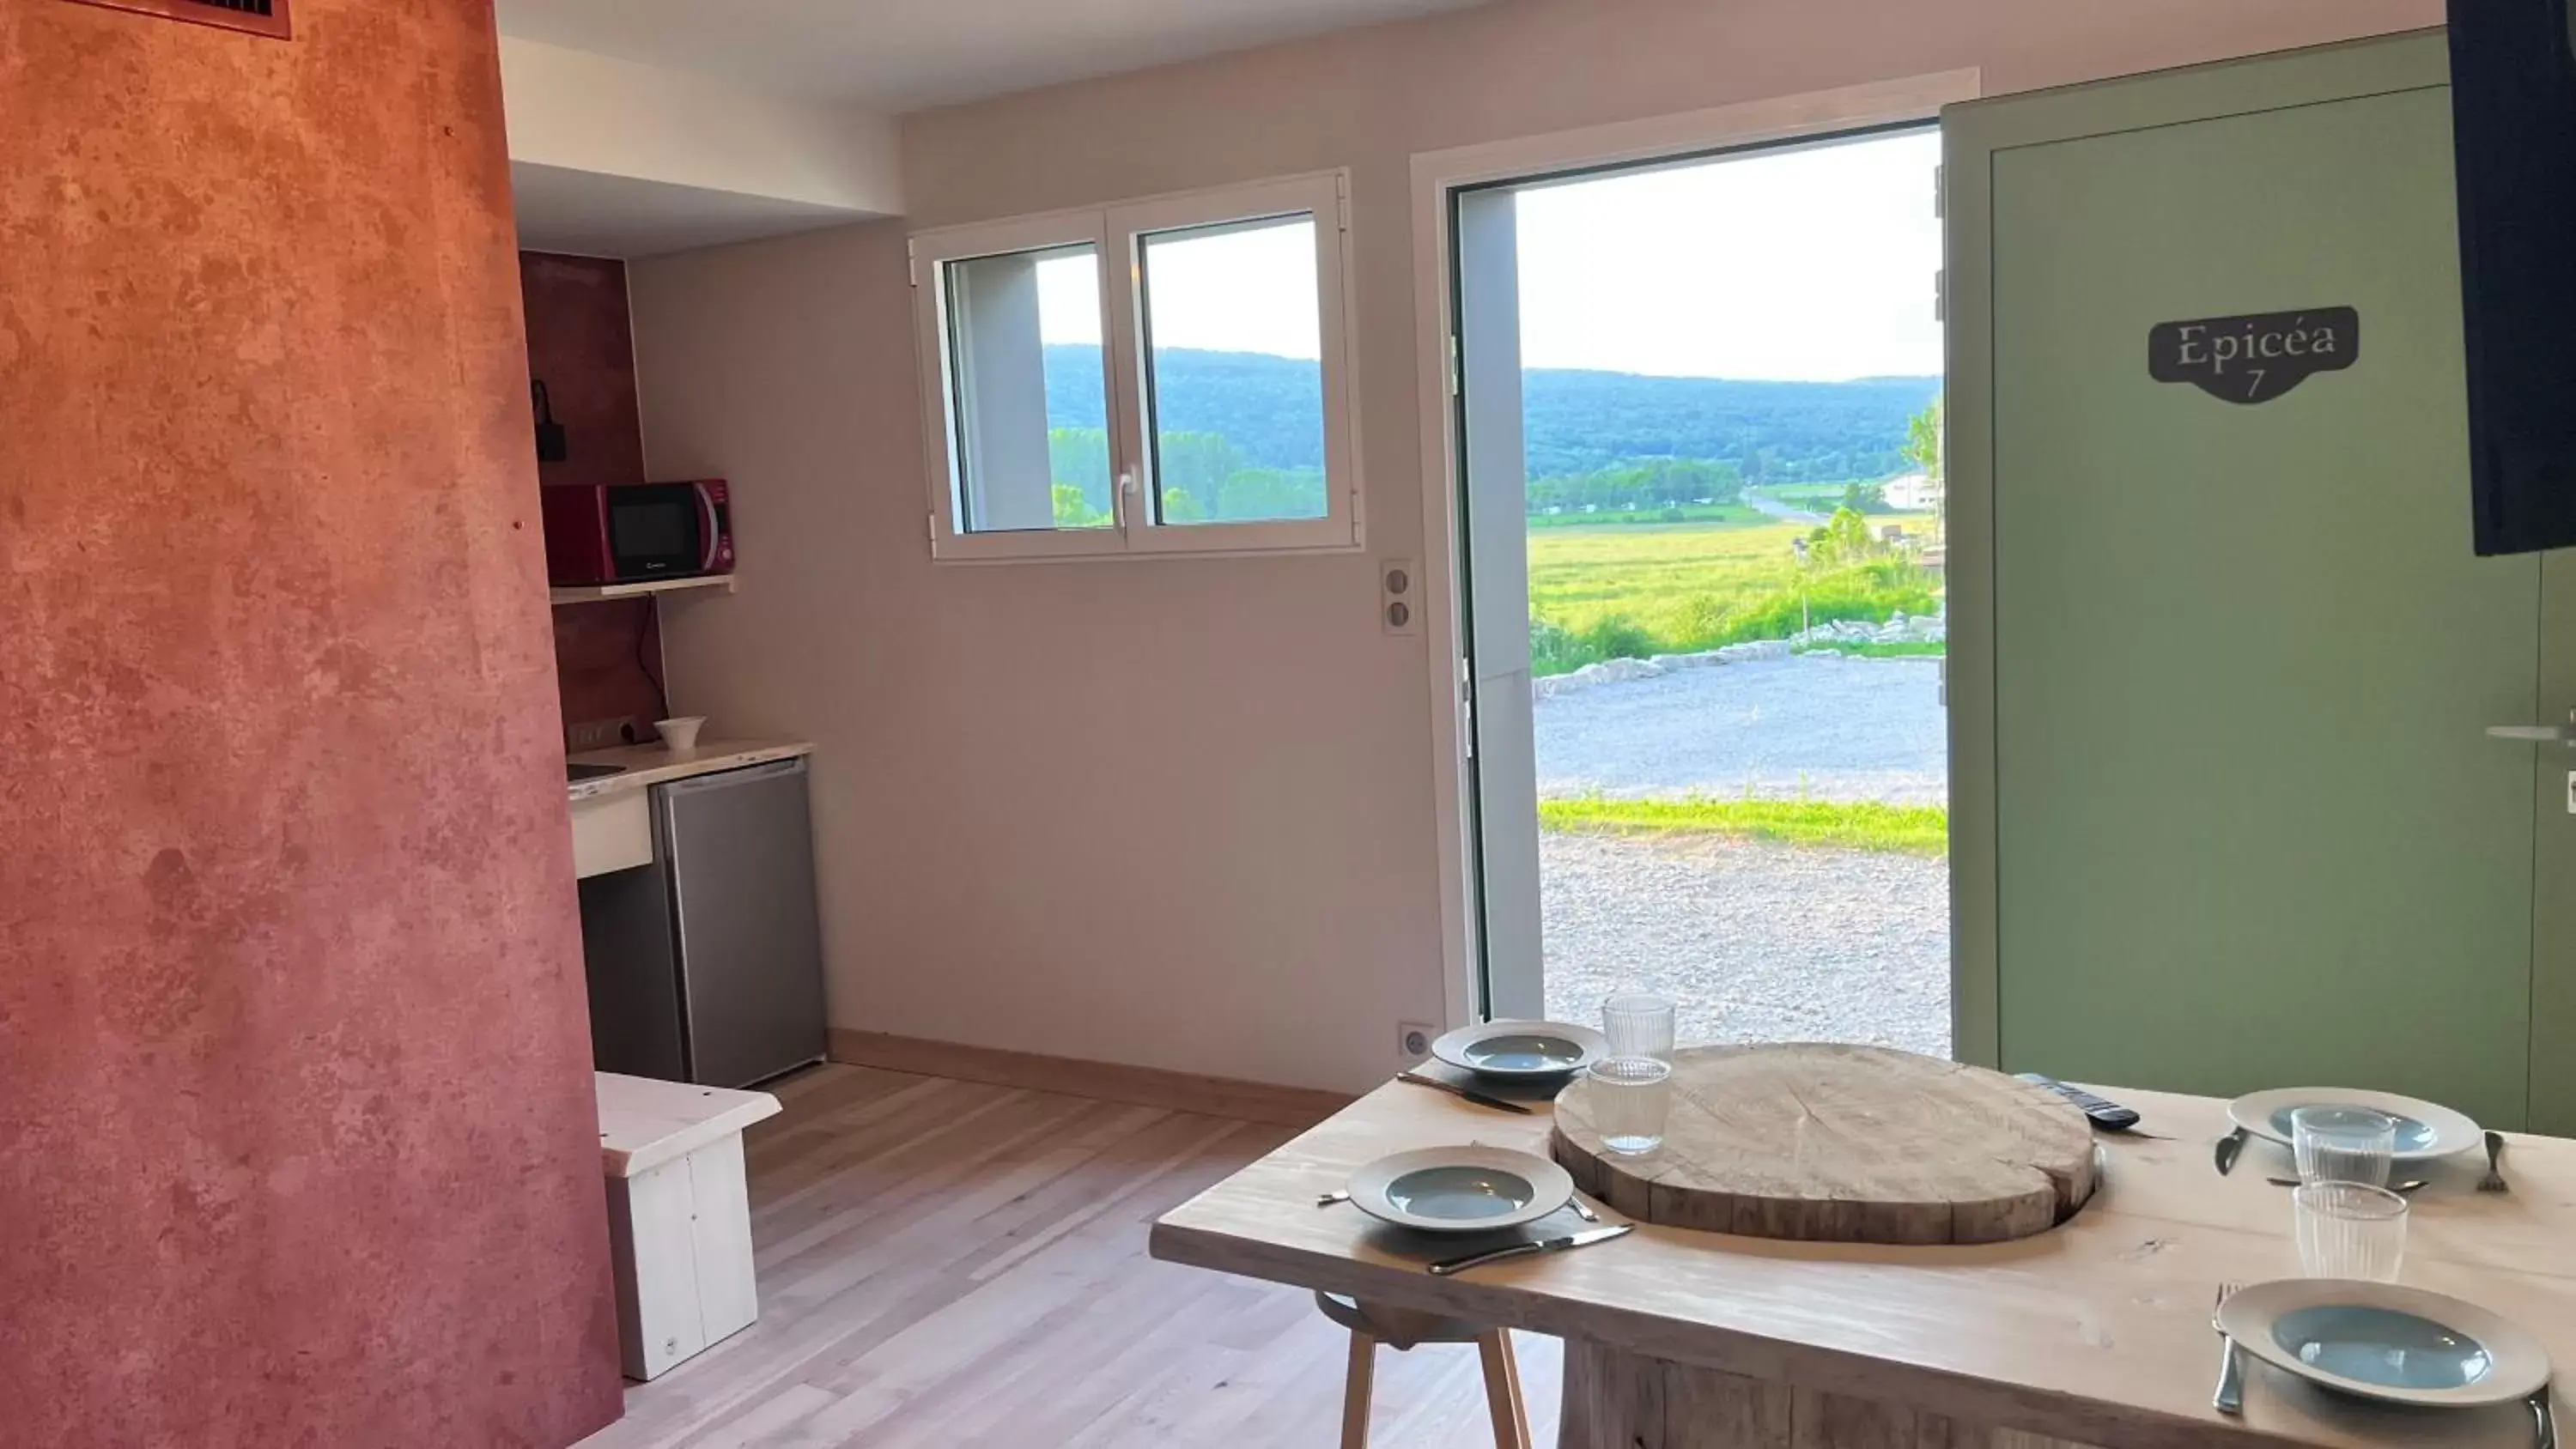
(2382, 1341)
(1522, 1050)
(1461, 1189)
(2425, 1130)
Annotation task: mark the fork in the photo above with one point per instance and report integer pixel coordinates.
(2230, 1398)
(2494, 1180)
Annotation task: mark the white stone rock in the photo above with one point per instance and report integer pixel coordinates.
(1623, 670)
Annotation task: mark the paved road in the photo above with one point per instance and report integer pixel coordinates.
(1819, 726)
(1763, 503)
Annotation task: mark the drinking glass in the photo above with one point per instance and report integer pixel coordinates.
(2343, 1144)
(2349, 1230)
(1631, 1097)
(1638, 1024)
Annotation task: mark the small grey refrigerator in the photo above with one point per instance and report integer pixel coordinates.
(707, 965)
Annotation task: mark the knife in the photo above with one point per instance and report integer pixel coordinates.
(1470, 1093)
(2228, 1148)
(1522, 1250)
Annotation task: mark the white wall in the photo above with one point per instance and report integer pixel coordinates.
(572, 110)
(1179, 813)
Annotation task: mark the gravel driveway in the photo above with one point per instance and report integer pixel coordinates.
(1758, 942)
(1821, 725)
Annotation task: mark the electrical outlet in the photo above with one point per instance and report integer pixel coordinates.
(1413, 1041)
(600, 734)
(1399, 596)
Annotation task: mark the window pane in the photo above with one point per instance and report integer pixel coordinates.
(1032, 445)
(1235, 377)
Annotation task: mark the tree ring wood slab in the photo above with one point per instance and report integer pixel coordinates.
(1841, 1144)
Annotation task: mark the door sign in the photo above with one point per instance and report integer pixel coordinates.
(2257, 358)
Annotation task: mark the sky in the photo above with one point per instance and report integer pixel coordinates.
(1806, 265)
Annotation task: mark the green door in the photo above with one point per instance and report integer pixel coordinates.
(2242, 823)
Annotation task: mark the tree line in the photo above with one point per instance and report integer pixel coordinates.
(1638, 484)
(1205, 478)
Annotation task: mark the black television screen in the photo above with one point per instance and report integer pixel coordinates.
(2513, 108)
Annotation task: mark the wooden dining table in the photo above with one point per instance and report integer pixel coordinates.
(2096, 1333)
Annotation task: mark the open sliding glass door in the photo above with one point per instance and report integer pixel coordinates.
(1493, 502)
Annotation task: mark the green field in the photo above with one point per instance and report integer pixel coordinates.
(1863, 825)
(1732, 513)
(1633, 590)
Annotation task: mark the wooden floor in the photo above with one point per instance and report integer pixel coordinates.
(951, 1264)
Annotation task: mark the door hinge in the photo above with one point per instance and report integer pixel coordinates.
(930, 528)
(1452, 364)
(1941, 295)
(1342, 200)
(911, 265)
(1940, 192)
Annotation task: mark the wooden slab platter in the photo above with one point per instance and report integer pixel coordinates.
(1841, 1144)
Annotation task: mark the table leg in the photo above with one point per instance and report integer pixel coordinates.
(1355, 1391)
(1503, 1390)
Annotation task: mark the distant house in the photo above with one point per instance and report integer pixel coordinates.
(1913, 493)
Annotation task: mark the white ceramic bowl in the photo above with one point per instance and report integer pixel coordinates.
(1460, 1189)
(682, 733)
(1522, 1050)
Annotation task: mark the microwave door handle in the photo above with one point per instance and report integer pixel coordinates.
(707, 542)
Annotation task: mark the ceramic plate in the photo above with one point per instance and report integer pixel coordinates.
(2425, 1130)
(1521, 1050)
(1461, 1189)
(2382, 1341)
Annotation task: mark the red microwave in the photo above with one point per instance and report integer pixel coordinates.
(620, 533)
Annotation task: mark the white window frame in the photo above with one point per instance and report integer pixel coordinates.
(1117, 233)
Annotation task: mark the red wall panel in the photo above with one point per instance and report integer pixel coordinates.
(296, 1135)
(581, 342)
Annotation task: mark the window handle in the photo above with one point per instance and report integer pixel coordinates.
(1126, 487)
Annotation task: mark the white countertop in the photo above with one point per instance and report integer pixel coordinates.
(648, 765)
(644, 1123)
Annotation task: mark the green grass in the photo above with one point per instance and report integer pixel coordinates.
(1897, 829)
(1630, 591)
(1912, 650)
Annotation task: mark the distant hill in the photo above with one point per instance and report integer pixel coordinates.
(1575, 422)
(1775, 432)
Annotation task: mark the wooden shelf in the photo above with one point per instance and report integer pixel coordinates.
(594, 593)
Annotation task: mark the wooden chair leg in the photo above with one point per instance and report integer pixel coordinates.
(1355, 1392)
(1503, 1390)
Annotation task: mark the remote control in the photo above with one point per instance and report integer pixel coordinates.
(2109, 1116)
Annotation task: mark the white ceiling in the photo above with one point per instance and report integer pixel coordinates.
(589, 214)
(898, 55)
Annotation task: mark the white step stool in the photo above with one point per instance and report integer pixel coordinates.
(679, 1219)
